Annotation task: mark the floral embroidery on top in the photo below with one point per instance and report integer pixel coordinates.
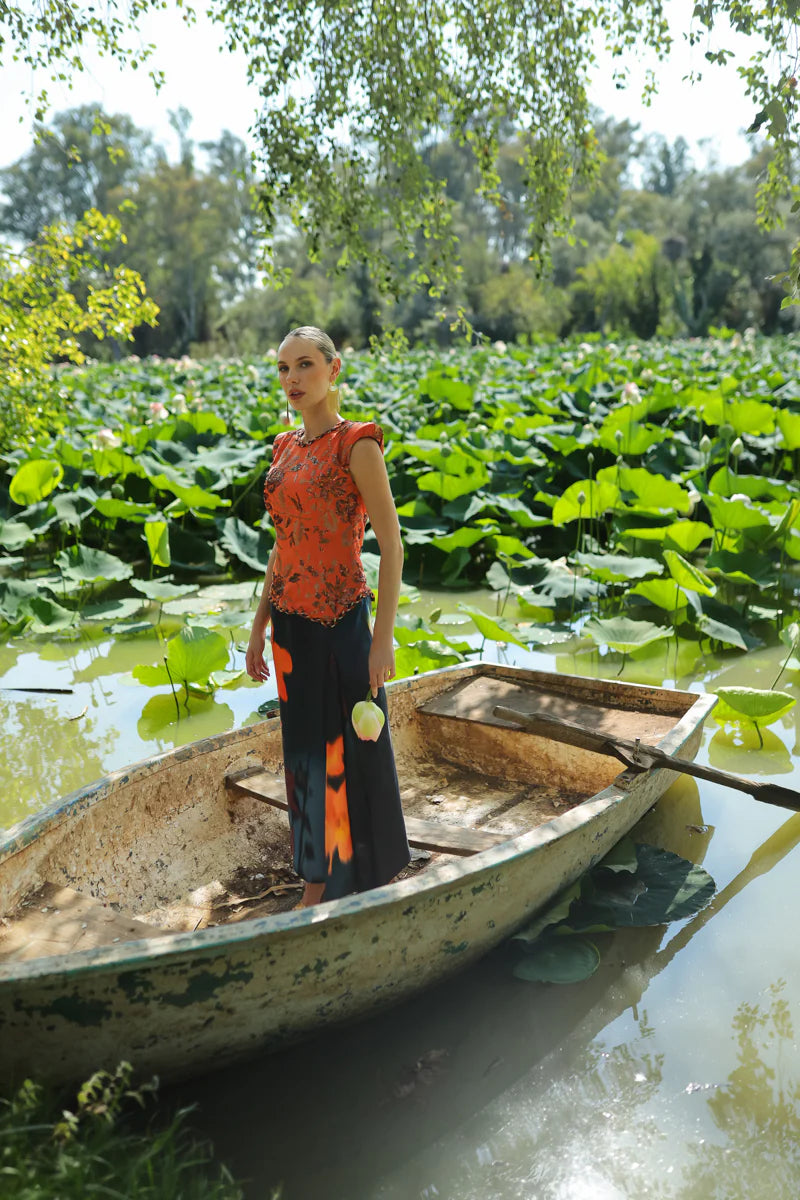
(319, 520)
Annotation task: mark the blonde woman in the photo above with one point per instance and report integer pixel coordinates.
(327, 479)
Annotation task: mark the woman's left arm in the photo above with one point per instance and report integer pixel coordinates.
(369, 472)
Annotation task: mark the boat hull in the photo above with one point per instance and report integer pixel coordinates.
(188, 1002)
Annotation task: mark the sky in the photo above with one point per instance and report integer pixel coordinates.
(211, 84)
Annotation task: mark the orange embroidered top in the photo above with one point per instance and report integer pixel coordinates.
(319, 520)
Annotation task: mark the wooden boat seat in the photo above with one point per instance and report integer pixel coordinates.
(474, 700)
(59, 920)
(422, 835)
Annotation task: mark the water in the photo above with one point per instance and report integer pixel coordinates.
(672, 1073)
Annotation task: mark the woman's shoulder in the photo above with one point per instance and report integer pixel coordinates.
(351, 432)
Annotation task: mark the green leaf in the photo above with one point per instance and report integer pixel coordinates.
(664, 593)
(34, 480)
(250, 546)
(494, 628)
(161, 589)
(752, 704)
(192, 656)
(449, 487)
(559, 960)
(623, 634)
(125, 510)
(613, 567)
(85, 564)
(552, 915)
(688, 576)
(156, 534)
(664, 887)
(597, 497)
(15, 534)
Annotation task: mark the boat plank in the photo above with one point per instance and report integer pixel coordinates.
(422, 835)
(475, 700)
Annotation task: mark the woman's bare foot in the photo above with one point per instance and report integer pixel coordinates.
(312, 895)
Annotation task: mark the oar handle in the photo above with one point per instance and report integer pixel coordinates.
(640, 756)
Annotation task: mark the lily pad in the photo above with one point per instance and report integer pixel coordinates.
(85, 564)
(34, 480)
(760, 707)
(560, 960)
(192, 657)
(623, 634)
(664, 887)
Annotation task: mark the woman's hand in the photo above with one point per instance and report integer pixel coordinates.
(255, 663)
(381, 663)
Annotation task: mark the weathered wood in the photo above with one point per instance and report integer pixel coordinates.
(59, 920)
(422, 835)
(638, 756)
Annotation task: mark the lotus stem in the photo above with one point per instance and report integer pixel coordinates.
(172, 685)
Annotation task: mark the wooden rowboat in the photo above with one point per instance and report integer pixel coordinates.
(145, 916)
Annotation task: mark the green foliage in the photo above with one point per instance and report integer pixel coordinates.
(59, 288)
(400, 100)
(93, 1148)
(634, 885)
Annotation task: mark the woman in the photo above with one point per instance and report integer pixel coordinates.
(326, 479)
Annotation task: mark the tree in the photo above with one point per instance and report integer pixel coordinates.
(82, 160)
(353, 94)
(54, 291)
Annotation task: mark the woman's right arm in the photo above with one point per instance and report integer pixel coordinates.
(255, 663)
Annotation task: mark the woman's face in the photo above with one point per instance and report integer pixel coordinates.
(304, 373)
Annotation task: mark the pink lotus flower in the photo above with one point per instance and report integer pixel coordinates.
(368, 719)
(158, 410)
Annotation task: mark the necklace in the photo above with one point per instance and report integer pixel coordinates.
(307, 441)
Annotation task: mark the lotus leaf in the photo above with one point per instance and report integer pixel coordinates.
(752, 704)
(664, 593)
(597, 498)
(126, 510)
(48, 615)
(735, 514)
(192, 657)
(35, 480)
(160, 589)
(612, 567)
(556, 912)
(664, 887)
(15, 534)
(789, 425)
(623, 634)
(449, 487)
(494, 628)
(85, 564)
(559, 960)
(250, 546)
(687, 576)
(156, 534)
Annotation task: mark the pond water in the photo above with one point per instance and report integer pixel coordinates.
(673, 1073)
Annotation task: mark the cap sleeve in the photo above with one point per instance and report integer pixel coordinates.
(356, 431)
(278, 444)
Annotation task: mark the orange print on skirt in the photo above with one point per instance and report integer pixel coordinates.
(337, 819)
(283, 666)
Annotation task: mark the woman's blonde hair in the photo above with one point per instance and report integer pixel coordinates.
(322, 341)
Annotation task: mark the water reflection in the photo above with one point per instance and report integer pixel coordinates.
(444, 1092)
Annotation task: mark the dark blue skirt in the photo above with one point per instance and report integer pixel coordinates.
(345, 814)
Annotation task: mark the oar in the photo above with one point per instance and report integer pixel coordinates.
(640, 757)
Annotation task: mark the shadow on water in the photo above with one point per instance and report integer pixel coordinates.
(336, 1116)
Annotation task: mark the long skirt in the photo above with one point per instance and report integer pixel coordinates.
(345, 815)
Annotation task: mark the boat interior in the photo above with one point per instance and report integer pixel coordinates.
(199, 837)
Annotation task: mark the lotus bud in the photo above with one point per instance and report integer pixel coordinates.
(508, 423)
(107, 439)
(581, 499)
(618, 437)
(630, 393)
(737, 448)
(446, 451)
(705, 444)
(368, 720)
(593, 407)
(694, 499)
(590, 457)
(500, 347)
(647, 375)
